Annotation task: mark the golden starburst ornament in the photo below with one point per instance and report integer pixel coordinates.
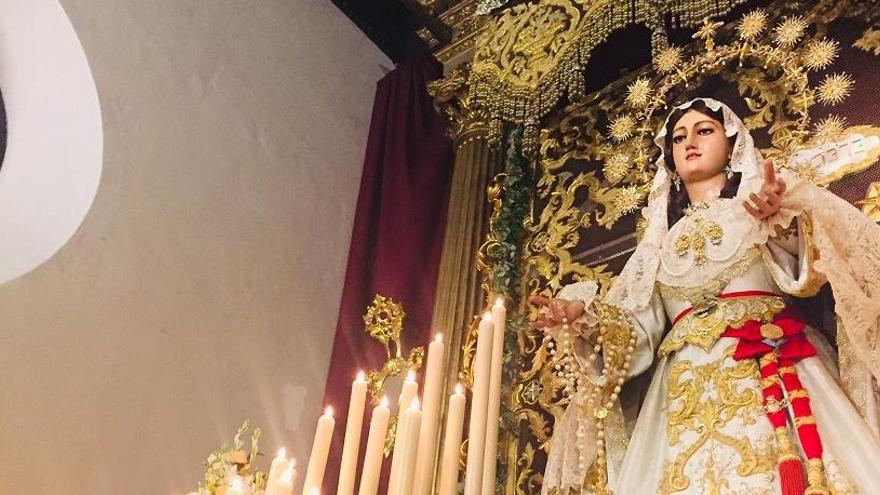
(668, 59)
(638, 93)
(622, 128)
(752, 25)
(616, 167)
(790, 31)
(707, 33)
(808, 172)
(626, 200)
(829, 129)
(835, 88)
(820, 54)
(871, 203)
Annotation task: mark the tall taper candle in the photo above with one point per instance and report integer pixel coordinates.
(320, 450)
(284, 484)
(412, 420)
(499, 322)
(375, 449)
(407, 394)
(351, 446)
(430, 417)
(479, 407)
(452, 444)
(279, 464)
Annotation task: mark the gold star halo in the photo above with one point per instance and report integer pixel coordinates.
(707, 32)
(820, 54)
(829, 129)
(835, 88)
(638, 93)
(752, 25)
(626, 200)
(789, 31)
(616, 167)
(668, 59)
(622, 128)
(808, 172)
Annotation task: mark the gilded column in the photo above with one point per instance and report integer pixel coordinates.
(459, 295)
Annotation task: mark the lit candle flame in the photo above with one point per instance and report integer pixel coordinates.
(328, 411)
(458, 388)
(282, 453)
(314, 491)
(438, 338)
(236, 484)
(384, 401)
(291, 464)
(487, 316)
(499, 302)
(361, 376)
(411, 376)
(414, 405)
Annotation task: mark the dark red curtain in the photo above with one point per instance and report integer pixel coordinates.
(397, 237)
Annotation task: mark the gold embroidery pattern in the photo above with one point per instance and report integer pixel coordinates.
(706, 294)
(694, 239)
(837, 482)
(704, 328)
(703, 400)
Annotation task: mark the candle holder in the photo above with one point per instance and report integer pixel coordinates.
(384, 322)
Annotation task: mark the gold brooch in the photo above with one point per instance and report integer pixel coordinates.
(771, 331)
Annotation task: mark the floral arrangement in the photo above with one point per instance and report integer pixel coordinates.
(233, 465)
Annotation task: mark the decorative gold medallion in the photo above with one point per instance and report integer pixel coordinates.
(771, 331)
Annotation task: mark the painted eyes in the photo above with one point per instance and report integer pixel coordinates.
(702, 132)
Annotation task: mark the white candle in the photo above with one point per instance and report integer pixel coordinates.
(235, 488)
(479, 407)
(279, 463)
(430, 417)
(407, 394)
(452, 444)
(375, 449)
(320, 450)
(315, 491)
(499, 322)
(352, 444)
(412, 419)
(284, 484)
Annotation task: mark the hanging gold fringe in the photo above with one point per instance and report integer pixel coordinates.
(533, 55)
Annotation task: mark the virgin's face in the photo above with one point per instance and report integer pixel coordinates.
(700, 149)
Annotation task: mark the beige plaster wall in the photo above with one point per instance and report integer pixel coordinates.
(203, 286)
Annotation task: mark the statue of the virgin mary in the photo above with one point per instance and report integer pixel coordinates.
(746, 396)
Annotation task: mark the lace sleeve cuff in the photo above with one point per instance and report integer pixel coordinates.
(795, 275)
